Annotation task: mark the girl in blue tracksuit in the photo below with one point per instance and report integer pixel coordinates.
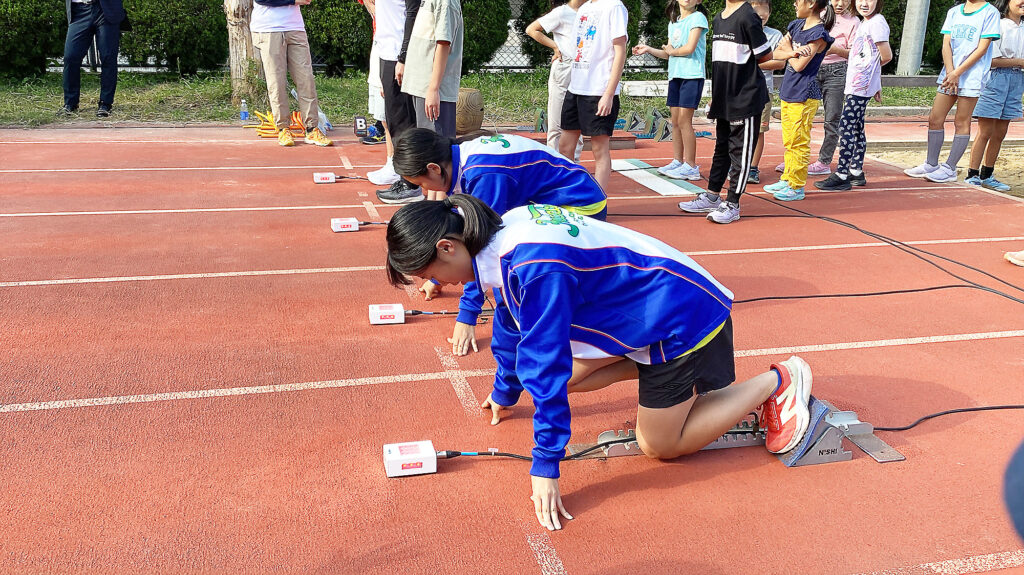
(505, 172)
(590, 303)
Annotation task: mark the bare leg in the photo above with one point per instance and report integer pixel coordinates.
(677, 134)
(691, 425)
(758, 149)
(601, 148)
(940, 109)
(985, 126)
(389, 145)
(685, 126)
(995, 142)
(568, 137)
(594, 374)
(964, 111)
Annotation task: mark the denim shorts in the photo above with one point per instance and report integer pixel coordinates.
(1001, 97)
(685, 92)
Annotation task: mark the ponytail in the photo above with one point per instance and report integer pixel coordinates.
(418, 147)
(672, 11)
(414, 231)
(829, 16)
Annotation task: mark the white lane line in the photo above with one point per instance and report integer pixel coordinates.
(544, 551)
(880, 343)
(179, 211)
(975, 564)
(458, 381)
(234, 391)
(448, 374)
(412, 290)
(163, 169)
(71, 281)
(371, 211)
(848, 246)
(345, 162)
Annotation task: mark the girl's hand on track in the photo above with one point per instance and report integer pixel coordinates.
(547, 502)
(430, 290)
(495, 408)
(462, 338)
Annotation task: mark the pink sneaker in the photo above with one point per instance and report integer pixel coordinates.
(781, 168)
(819, 169)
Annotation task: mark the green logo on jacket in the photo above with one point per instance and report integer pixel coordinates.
(497, 139)
(543, 214)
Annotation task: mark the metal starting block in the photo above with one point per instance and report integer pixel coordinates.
(823, 442)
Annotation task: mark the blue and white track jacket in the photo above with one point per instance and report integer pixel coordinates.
(579, 287)
(505, 172)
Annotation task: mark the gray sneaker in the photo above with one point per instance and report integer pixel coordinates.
(726, 213)
(703, 203)
(400, 192)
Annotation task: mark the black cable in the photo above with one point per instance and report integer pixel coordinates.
(866, 294)
(947, 412)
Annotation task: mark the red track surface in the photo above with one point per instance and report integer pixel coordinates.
(291, 480)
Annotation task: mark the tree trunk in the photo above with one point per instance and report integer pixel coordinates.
(243, 57)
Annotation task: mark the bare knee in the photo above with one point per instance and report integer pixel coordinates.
(661, 448)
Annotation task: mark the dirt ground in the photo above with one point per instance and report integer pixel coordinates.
(1009, 167)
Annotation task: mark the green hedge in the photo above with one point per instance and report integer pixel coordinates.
(184, 35)
(30, 32)
(340, 33)
(485, 30)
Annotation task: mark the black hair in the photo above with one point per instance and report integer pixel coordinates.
(829, 19)
(418, 147)
(672, 11)
(414, 231)
(1003, 6)
(552, 4)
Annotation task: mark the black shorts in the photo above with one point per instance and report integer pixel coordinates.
(707, 369)
(398, 110)
(580, 113)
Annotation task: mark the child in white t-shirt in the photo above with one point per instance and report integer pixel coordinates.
(869, 51)
(1000, 101)
(687, 30)
(560, 22)
(966, 37)
(592, 103)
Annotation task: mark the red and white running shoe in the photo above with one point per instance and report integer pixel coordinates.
(785, 411)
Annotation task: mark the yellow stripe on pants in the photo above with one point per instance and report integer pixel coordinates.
(796, 136)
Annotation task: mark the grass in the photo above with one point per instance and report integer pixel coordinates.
(511, 98)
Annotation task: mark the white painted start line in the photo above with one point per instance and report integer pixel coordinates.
(975, 564)
(449, 375)
(412, 289)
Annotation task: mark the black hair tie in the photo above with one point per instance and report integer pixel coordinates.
(447, 203)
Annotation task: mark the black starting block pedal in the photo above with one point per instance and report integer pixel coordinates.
(823, 442)
(636, 123)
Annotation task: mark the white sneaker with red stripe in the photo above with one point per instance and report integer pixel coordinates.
(785, 411)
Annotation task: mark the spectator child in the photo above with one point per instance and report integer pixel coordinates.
(1000, 99)
(433, 65)
(687, 28)
(592, 103)
(967, 35)
(869, 51)
(559, 22)
(279, 33)
(832, 79)
(764, 11)
(738, 96)
(805, 44)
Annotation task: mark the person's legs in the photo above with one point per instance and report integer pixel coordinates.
(690, 426)
(446, 119)
(594, 374)
(742, 139)
(558, 85)
(832, 78)
(995, 142)
(688, 136)
(790, 117)
(800, 144)
(720, 161)
(275, 67)
(962, 136)
(300, 66)
(980, 145)
(569, 121)
(600, 146)
(76, 44)
(941, 106)
(675, 114)
(398, 109)
(108, 42)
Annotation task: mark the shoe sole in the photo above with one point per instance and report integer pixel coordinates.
(1009, 257)
(317, 143)
(408, 200)
(729, 221)
(859, 183)
(949, 180)
(789, 198)
(691, 178)
(809, 173)
(372, 143)
(698, 211)
(995, 189)
(803, 414)
(920, 176)
(839, 189)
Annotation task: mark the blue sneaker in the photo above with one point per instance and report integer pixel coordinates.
(777, 186)
(993, 184)
(973, 180)
(789, 194)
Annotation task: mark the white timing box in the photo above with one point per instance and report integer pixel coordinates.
(324, 178)
(345, 224)
(381, 314)
(411, 458)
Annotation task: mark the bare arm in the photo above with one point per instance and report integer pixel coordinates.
(947, 54)
(972, 59)
(1007, 62)
(645, 49)
(802, 60)
(536, 31)
(371, 7)
(604, 106)
(691, 45)
(884, 52)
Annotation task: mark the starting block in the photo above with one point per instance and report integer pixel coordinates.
(823, 442)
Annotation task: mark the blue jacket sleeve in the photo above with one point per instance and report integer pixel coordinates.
(504, 341)
(544, 364)
(499, 191)
(471, 303)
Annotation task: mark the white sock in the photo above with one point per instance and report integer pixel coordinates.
(856, 172)
(841, 176)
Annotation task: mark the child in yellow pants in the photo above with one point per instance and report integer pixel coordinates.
(804, 46)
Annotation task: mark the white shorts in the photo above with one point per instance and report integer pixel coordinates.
(375, 102)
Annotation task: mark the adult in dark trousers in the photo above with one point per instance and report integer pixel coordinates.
(87, 19)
